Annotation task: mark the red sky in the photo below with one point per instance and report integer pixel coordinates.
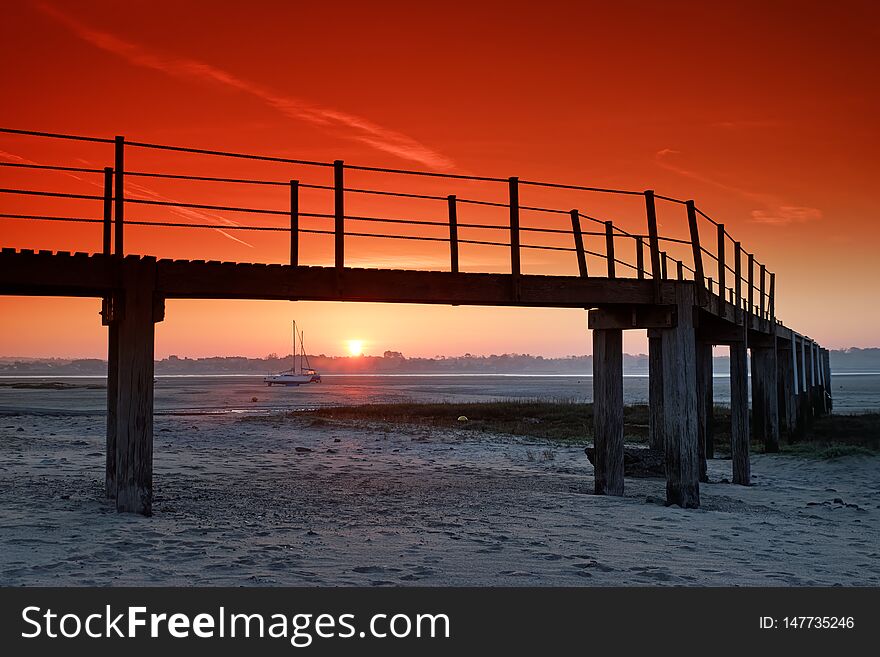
(765, 113)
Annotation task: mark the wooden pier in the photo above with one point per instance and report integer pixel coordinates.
(684, 311)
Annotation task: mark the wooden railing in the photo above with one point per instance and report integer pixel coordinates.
(752, 290)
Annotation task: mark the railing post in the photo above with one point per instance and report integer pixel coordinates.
(721, 261)
(339, 214)
(108, 209)
(294, 223)
(772, 297)
(664, 265)
(653, 240)
(680, 272)
(579, 243)
(737, 272)
(120, 193)
(514, 226)
(709, 284)
(751, 290)
(763, 277)
(640, 258)
(609, 247)
(453, 233)
(697, 251)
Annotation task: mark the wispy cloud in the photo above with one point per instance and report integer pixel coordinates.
(774, 211)
(344, 124)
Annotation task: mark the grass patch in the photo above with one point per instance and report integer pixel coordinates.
(571, 422)
(827, 451)
(563, 421)
(51, 385)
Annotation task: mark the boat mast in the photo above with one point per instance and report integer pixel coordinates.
(302, 344)
(294, 347)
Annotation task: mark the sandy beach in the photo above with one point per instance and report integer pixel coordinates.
(279, 501)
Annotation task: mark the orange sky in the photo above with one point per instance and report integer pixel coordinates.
(765, 113)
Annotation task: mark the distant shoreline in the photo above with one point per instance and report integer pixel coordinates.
(247, 375)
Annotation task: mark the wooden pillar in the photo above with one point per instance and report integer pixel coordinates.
(579, 243)
(810, 371)
(704, 406)
(294, 223)
(513, 185)
(697, 252)
(653, 240)
(134, 400)
(765, 397)
(784, 383)
(795, 401)
(453, 233)
(609, 248)
(739, 411)
(803, 398)
(339, 217)
(655, 390)
(640, 258)
(681, 451)
(608, 410)
(112, 392)
(826, 363)
(119, 200)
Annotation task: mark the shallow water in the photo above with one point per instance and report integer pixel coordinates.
(236, 394)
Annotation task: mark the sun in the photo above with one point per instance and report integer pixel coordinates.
(355, 347)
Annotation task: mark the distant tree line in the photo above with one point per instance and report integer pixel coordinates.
(392, 362)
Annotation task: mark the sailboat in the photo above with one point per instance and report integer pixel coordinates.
(295, 376)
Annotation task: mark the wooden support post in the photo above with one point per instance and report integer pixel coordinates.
(705, 406)
(108, 210)
(120, 194)
(294, 223)
(697, 252)
(453, 233)
(737, 266)
(804, 390)
(784, 392)
(709, 284)
(339, 215)
(513, 183)
(107, 310)
(112, 401)
(797, 426)
(608, 410)
(773, 298)
(653, 240)
(609, 247)
(664, 266)
(579, 243)
(762, 293)
(680, 270)
(656, 425)
(722, 267)
(826, 363)
(640, 258)
(765, 397)
(814, 383)
(751, 283)
(681, 449)
(739, 411)
(134, 406)
(803, 349)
